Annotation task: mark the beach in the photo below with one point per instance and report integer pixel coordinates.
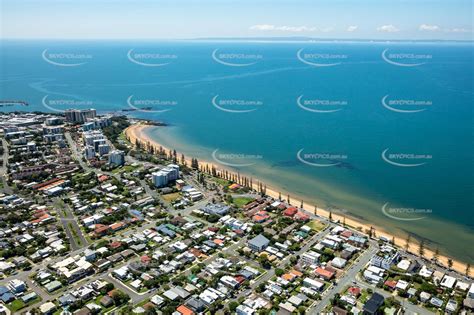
(137, 132)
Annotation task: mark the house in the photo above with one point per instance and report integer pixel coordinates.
(290, 212)
(424, 296)
(451, 306)
(313, 284)
(29, 297)
(66, 299)
(448, 282)
(391, 284)
(373, 304)
(310, 257)
(470, 294)
(402, 285)
(354, 291)
(47, 308)
(324, 273)
(244, 310)
(258, 243)
(301, 216)
(436, 302)
(338, 262)
(183, 310)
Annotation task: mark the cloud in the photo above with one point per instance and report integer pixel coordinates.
(352, 28)
(387, 28)
(426, 27)
(284, 28)
(459, 30)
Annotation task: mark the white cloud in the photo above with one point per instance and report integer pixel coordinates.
(459, 30)
(427, 27)
(352, 28)
(387, 28)
(284, 28)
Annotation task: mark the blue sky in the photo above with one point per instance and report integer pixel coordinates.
(178, 19)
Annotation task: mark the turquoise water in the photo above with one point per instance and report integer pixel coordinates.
(245, 103)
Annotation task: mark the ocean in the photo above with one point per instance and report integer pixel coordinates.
(382, 131)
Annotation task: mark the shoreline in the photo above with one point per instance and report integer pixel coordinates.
(136, 131)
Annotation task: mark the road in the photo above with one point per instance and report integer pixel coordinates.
(78, 157)
(346, 280)
(71, 227)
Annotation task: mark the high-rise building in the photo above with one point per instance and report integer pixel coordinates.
(117, 157)
(79, 115)
(166, 175)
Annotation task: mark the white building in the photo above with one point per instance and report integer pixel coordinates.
(117, 157)
(166, 175)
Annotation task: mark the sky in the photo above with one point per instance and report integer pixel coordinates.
(189, 19)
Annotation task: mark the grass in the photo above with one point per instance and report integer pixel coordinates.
(18, 304)
(242, 201)
(222, 182)
(74, 234)
(171, 197)
(316, 225)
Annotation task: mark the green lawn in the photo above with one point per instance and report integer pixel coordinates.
(171, 197)
(316, 225)
(18, 304)
(242, 201)
(222, 182)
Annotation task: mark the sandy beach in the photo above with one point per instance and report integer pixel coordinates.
(136, 131)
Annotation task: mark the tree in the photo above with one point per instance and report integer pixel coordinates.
(119, 297)
(279, 272)
(257, 229)
(233, 306)
(407, 244)
(436, 255)
(421, 249)
(450, 263)
(468, 269)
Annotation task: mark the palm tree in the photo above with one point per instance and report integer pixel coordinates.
(407, 244)
(421, 249)
(436, 255)
(450, 263)
(468, 269)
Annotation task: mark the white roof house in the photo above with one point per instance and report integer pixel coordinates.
(448, 282)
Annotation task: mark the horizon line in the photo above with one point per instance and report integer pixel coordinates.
(264, 38)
